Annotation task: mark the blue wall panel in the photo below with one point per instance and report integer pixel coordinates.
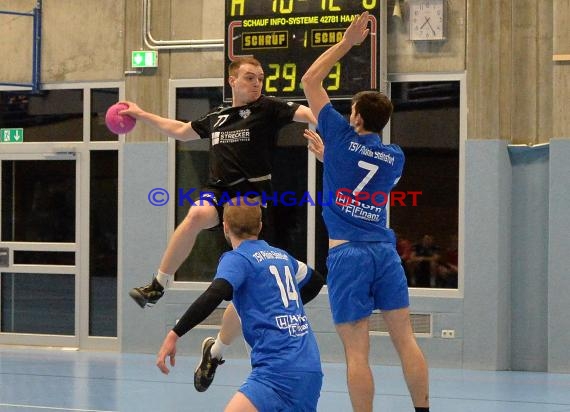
(529, 254)
(487, 265)
(559, 257)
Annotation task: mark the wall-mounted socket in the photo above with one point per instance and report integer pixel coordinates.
(448, 333)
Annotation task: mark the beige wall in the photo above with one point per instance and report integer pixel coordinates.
(510, 70)
(405, 56)
(81, 40)
(561, 75)
(15, 42)
(515, 90)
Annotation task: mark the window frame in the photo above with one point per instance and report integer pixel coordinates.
(173, 85)
(462, 79)
(81, 149)
(311, 175)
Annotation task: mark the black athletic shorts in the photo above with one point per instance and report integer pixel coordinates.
(218, 196)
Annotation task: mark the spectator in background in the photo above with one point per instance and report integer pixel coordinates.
(404, 248)
(447, 270)
(422, 266)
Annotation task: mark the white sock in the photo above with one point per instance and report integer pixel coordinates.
(164, 279)
(218, 348)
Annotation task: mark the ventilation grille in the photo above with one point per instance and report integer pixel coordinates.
(214, 320)
(421, 324)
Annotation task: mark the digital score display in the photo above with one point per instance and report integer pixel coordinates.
(287, 36)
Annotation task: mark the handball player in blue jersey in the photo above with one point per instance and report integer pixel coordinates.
(364, 269)
(267, 287)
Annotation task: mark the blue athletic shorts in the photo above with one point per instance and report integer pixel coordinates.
(283, 391)
(363, 276)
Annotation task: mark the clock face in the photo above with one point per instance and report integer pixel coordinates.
(426, 20)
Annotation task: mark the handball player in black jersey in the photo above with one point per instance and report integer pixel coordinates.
(243, 137)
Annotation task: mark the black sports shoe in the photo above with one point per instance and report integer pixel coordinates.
(206, 369)
(147, 295)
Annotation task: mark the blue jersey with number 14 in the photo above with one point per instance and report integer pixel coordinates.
(266, 296)
(359, 173)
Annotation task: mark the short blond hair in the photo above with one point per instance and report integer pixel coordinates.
(240, 61)
(243, 217)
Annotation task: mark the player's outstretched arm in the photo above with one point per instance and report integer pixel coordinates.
(313, 78)
(170, 127)
(218, 291)
(304, 115)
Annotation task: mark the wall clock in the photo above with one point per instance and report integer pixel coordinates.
(427, 19)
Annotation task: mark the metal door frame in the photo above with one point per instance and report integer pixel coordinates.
(72, 270)
(80, 151)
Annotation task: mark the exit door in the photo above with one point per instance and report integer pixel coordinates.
(39, 249)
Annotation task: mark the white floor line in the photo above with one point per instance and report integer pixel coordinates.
(51, 408)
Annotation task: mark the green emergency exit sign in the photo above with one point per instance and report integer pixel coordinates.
(144, 58)
(11, 135)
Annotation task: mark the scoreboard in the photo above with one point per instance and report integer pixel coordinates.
(286, 36)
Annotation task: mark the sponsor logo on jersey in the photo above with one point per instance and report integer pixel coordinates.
(358, 209)
(244, 113)
(297, 325)
(230, 136)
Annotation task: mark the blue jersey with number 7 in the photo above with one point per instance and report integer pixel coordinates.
(359, 174)
(266, 296)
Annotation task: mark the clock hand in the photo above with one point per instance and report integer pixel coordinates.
(426, 22)
(429, 24)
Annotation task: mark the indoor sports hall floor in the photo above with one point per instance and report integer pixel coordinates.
(57, 380)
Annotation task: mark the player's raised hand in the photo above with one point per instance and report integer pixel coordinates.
(315, 143)
(358, 30)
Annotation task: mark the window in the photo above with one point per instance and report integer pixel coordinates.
(103, 243)
(284, 226)
(47, 116)
(38, 202)
(101, 100)
(426, 125)
(191, 173)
